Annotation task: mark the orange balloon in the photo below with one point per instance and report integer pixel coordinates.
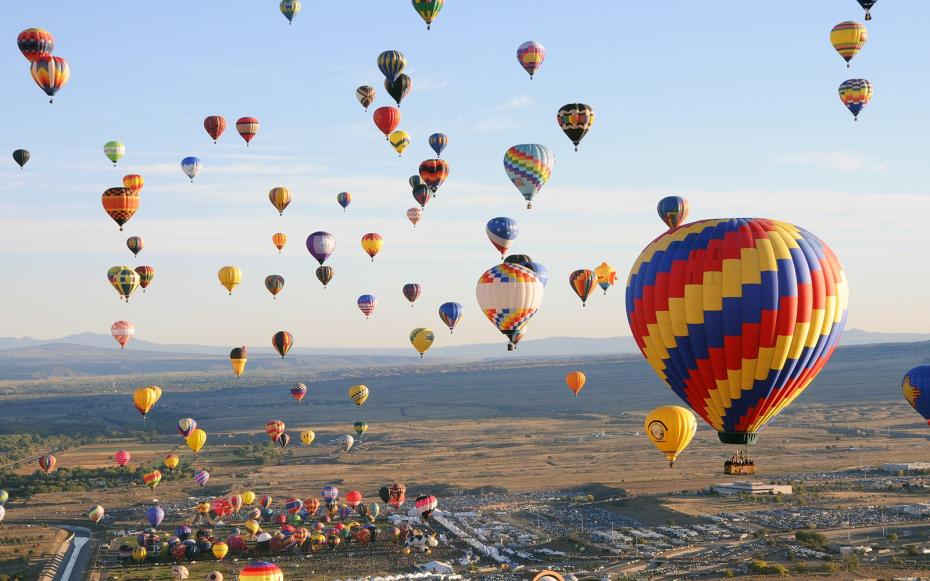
(575, 381)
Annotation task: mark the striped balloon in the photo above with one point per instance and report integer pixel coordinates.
(855, 94)
(575, 120)
(290, 9)
(367, 304)
(120, 204)
(434, 172)
(47, 463)
(50, 73)
(330, 492)
(299, 391)
(531, 55)
(214, 125)
(673, 210)
(122, 331)
(528, 166)
(411, 292)
(344, 199)
(391, 63)
(201, 477)
(365, 95)
(282, 341)
(450, 314)
(321, 245)
(502, 231)
(438, 141)
(428, 10)
(248, 128)
(122, 458)
(261, 571)
(414, 215)
(848, 38)
(35, 42)
(583, 282)
(737, 316)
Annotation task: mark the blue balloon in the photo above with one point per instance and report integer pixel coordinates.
(155, 514)
(541, 273)
(450, 313)
(191, 166)
(916, 388)
(438, 141)
(502, 232)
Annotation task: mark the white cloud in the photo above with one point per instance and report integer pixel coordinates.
(518, 102)
(835, 160)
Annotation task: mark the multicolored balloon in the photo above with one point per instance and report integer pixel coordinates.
(531, 55)
(428, 10)
(191, 166)
(114, 150)
(186, 426)
(367, 304)
(135, 244)
(279, 239)
(122, 331)
(360, 429)
(248, 128)
(125, 281)
(290, 9)
(916, 388)
(120, 204)
(299, 391)
(848, 38)
(528, 166)
(582, 282)
(372, 243)
(274, 283)
(434, 172)
(365, 95)
(509, 295)
(414, 215)
(344, 199)
(282, 341)
(146, 276)
(95, 514)
(280, 198)
(274, 429)
(502, 231)
(425, 505)
(575, 120)
(238, 358)
(606, 276)
(47, 463)
(215, 125)
(673, 210)
(422, 194)
(201, 477)
(261, 571)
(757, 336)
(35, 42)
(451, 314)
(855, 94)
(422, 339)
(50, 73)
(133, 181)
(151, 479)
(391, 63)
(412, 292)
(325, 274)
(321, 246)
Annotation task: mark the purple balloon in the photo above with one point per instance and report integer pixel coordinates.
(321, 245)
(155, 514)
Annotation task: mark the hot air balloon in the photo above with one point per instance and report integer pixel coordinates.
(344, 199)
(414, 215)
(371, 244)
(855, 94)
(422, 339)
(135, 244)
(325, 274)
(575, 120)
(386, 119)
(298, 391)
(293, 505)
(50, 73)
(274, 429)
(606, 276)
(155, 515)
(95, 514)
(365, 95)
(358, 394)
(21, 157)
(360, 429)
(867, 6)
(151, 479)
(238, 357)
(399, 140)
(531, 55)
(399, 87)
(438, 141)
(290, 9)
(329, 493)
(428, 10)
(425, 505)
(422, 194)
(280, 198)
(4, 496)
(35, 42)
(219, 550)
(763, 314)
(215, 126)
(354, 497)
(575, 381)
(916, 388)
(275, 284)
(186, 426)
(391, 63)
(671, 429)
(235, 502)
(146, 276)
(191, 166)
(122, 458)
(451, 314)
(412, 292)
(321, 246)
(139, 554)
(279, 239)
(434, 172)
(144, 399)
(398, 494)
(307, 437)
(120, 204)
(201, 477)
(126, 281)
(367, 304)
(282, 341)
(171, 461)
(133, 181)
(248, 497)
(528, 166)
(502, 232)
(229, 277)
(47, 463)
(509, 295)
(345, 442)
(196, 440)
(848, 38)
(247, 128)
(673, 210)
(122, 331)
(114, 150)
(582, 282)
(261, 571)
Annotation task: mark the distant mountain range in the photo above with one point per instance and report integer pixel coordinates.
(549, 347)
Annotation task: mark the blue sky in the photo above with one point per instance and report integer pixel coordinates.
(733, 106)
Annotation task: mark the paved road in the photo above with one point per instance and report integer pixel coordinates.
(74, 566)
